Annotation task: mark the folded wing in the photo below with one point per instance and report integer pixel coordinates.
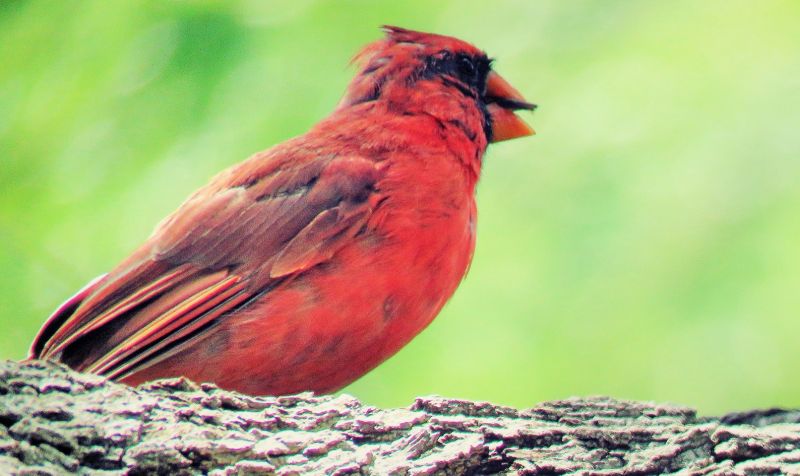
(257, 224)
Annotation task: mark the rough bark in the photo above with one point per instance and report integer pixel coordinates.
(55, 421)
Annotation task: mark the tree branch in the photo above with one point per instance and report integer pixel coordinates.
(53, 420)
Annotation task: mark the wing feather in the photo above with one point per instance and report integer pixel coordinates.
(75, 327)
(229, 242)
(162, 319)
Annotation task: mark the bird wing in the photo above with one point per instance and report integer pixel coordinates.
(263, 221)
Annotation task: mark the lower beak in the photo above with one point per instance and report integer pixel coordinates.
(501, 101)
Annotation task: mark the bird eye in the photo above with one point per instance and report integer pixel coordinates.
(466, 68)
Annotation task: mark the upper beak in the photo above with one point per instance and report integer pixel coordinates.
(502, 100)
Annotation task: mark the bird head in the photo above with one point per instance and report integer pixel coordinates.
(408, 66)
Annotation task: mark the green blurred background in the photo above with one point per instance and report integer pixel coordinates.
(643, 245)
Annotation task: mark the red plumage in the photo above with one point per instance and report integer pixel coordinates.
(310, 263)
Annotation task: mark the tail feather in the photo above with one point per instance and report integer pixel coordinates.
(61, 315)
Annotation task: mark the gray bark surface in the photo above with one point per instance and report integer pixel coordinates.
(56, 421)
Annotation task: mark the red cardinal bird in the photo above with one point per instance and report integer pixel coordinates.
(312, 262)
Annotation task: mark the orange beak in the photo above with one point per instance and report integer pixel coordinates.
(501, 101)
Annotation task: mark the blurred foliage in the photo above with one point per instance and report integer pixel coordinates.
(644, 244)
